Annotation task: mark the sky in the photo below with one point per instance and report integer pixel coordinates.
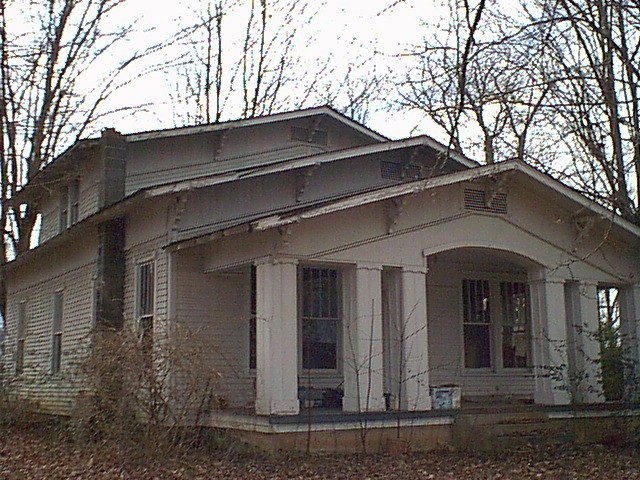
(341, 30)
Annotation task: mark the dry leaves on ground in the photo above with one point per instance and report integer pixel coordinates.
(36, 454)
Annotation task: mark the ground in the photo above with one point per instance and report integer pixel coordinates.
(30, 453)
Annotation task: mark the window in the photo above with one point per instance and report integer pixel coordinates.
(252, 319)
(21, 333)
(502, 341)
(145, 293)
(56, 333)
(64, 208)
(320, 318)
(69, 204)
(515, 325)
(74, 201)
(476, 323)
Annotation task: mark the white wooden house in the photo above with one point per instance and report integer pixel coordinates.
(313, 253)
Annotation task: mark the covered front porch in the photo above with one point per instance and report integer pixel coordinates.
(291, 333)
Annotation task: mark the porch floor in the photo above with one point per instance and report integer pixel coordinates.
(485, 412)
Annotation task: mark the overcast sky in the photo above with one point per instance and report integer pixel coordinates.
(341, 30)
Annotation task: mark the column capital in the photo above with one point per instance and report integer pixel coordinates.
(276, 260)
(368, 266)
(417, 269)
(544, 275)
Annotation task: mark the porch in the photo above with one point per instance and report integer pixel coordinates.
(377, 337)
(478, 426)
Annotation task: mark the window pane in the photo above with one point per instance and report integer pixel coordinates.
(477, 347)
(476, 321)
(515, 321)
(319, 341)
(320, 304)
(146, 289)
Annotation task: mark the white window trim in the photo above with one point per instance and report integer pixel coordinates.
(495, 326)
(152, 259)
(57, 332)
(21, 335)
(321, 372)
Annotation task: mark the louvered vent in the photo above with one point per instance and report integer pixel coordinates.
(398, 171)
(301, 134)
(477, 200)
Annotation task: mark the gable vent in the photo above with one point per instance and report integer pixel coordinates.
(478, 201)
(399, 171)
(301, 134)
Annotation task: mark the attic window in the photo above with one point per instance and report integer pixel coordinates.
(481, 201)
(301, 134)
(399, 171)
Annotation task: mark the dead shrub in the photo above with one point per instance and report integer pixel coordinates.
(144, 397)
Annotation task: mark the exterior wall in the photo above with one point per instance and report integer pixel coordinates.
(88, 200)
(526, 238)
(158, 161)
(215, 309)
(72, 275)
(446, 344)
(209, 209)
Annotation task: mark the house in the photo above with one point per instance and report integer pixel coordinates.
(318, 259)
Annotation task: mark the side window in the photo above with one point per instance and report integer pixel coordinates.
(21, 335)
(56, 333)
(145, 303)
(252, 319)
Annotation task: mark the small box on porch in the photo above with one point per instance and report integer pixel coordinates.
(445, 397)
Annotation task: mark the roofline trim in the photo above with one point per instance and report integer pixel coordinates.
(254, 121)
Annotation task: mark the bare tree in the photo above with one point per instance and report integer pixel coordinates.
(231, 72)
(57, 70)
(553, 83)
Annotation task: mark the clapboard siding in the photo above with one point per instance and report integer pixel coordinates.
(55, 393)
(446, 349)
(215, 307)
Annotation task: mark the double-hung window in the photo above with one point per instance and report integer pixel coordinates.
(145, 301)
(56, 333)
(515, 325)
(252, 319)
(320, 318)
(21, 334)
(476, 323)
(496, 327)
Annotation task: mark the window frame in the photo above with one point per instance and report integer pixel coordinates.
(252, 353)
(21, 337)
(57, 329)
(486, 321)
(338, 318)
(497, 321)
(145, 310)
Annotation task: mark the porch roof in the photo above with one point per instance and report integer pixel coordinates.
(526, 173)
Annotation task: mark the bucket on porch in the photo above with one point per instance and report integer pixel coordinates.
(445, 397)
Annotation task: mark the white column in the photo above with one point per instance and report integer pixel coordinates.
(362, 339)
(630, 333)
(582, 341)
(414, 341)
(550, 358)
(276, 337)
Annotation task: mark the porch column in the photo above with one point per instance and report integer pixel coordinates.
(582, 339)
(630, 333)
(362, 339)
(549, 325)
(414, 341)
(276, 337)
